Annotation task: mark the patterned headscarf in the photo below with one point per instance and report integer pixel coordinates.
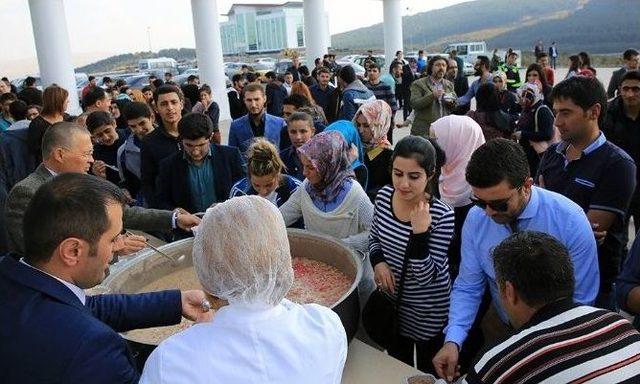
(535, 88)
(328, 152)
(378, 114)
(503, 76)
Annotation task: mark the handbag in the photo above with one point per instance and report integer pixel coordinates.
(380, 313)
(541, 146)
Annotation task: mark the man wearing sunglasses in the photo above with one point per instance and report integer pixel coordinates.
(591, 171)
(507, 202)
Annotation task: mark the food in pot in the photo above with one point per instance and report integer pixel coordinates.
(314, 282)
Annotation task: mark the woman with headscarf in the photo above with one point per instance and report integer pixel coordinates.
(534, 73)
(493, 121)
(330, 201)
(373, 120)
(356, 150)
(242, 258)
(459, 137)
(508, 102)
(535, 123)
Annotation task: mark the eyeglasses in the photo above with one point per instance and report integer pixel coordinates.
(496, 205)
(86, 155)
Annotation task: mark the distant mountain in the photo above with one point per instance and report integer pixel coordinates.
(128, 61)
(596, 26)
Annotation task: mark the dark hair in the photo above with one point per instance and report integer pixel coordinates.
(585, 59)
(629, 53)
(8, 97)
(29, 81)
(135, 110)
(69, 205)
(398, 52)
(236, 77)
(106, 79)
(165, 89)
(270, 75)
(373, 64)
(243, 66)
(537, 265)
(194, 126)
(92, 97)
(422, 151)
(432, 62)
(168, 74)
(301, 116)
(323, 70)
(541, 55)
(297, 100)
(304, 70)
(152, 76)
(630, 75)
(484, 61)
(98, 119)
(18, 110)
(420, 51)
(583, 91)
(541, 74)
(487, 98)
(146, 88)
(91, 78)
(251, 77)
(347, 74)
(192, 77)
(495, 161)
(574, 63)
(158, 83)
(204, 88)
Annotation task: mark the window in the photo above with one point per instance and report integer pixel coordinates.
(300, 35)
(462, 49)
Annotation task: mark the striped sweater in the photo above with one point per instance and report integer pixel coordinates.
(564, 343)
(425, 297)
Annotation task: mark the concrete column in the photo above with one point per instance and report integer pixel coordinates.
(315, 30)
(392, 10)
(52, 46)
(206, 27)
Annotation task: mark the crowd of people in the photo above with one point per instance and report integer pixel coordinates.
(518, 204)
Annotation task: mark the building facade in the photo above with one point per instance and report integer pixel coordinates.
(255, 28)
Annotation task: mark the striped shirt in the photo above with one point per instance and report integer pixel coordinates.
(383, 91)
(425, 297)
(564, 343)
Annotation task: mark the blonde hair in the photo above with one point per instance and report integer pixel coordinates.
(138, 95)
(263, 159)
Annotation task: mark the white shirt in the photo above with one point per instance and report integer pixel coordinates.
(289, 343)
(79, 292)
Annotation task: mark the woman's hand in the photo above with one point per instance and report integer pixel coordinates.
(420, 218)
(384, 277)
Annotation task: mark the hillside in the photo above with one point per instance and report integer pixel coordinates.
(128, 61)
(596, 26)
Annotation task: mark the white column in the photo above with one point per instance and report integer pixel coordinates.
(315, 30)
(392, 10)
(206, 27)
(52, 46)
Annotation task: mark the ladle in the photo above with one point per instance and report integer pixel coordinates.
(174, 260)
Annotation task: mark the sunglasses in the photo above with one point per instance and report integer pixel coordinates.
(496, 205)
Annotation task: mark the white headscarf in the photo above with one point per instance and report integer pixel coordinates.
(241, 252)
(459, 137)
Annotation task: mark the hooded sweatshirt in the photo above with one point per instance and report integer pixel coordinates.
(353, 96)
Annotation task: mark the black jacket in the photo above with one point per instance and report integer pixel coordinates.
(614, 83)
(156, 146)
(173, 189)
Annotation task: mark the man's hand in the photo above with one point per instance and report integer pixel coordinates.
(446, 362)
(185, 220)
(192, 307)
(129, 243)
(599, 235)
(98, 168)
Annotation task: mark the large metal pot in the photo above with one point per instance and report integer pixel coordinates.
(131, 276)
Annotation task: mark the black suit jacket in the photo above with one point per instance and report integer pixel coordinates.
(48, 336)
(614, 83)
(173, 189)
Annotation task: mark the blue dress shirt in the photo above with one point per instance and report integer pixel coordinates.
(547, 212)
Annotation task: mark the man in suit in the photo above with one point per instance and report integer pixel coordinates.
(53, 332)
(257, 122)
(67, 147)
(631, 59)
(202, 173)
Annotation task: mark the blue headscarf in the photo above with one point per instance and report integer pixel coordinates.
(351, 136)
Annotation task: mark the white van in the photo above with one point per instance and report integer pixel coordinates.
(158, 66)
(469, 51)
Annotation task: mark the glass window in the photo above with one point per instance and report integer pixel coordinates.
(300, 35)
(462, 49)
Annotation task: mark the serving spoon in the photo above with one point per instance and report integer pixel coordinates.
(174, 260)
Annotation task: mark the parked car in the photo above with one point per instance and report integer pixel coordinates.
(138, 81)
(468, 69)
(360, 60)
(231, 68)
(359, 69)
